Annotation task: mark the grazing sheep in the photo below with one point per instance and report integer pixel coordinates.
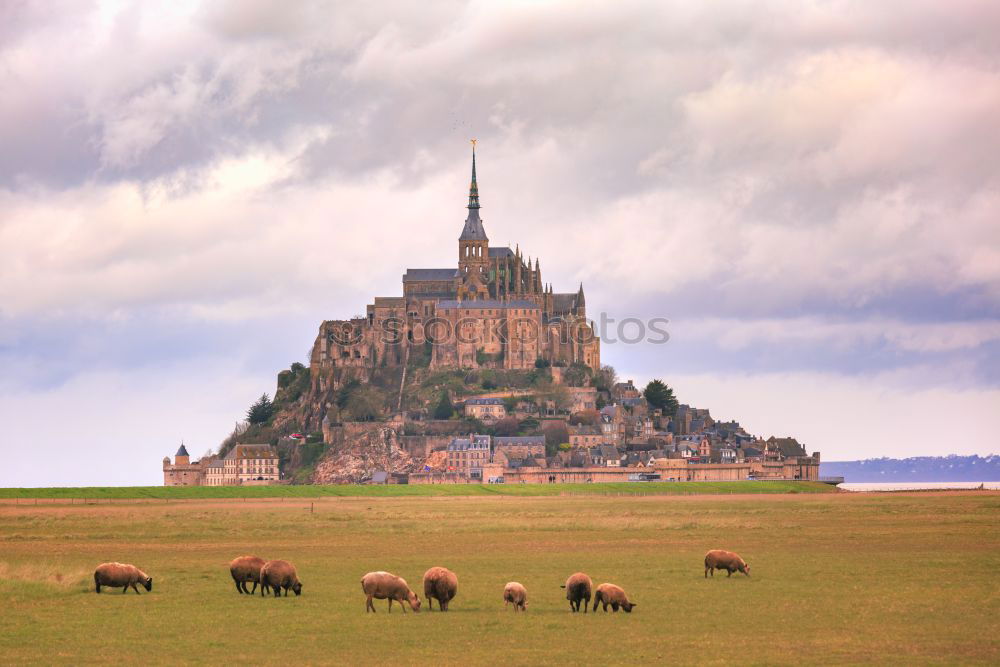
(609, 594)
(386, 586)
(718, 559)
(440, 584)
(121, 574)
(516, 593)
(278, 574)
(244, 569)
(578, 588)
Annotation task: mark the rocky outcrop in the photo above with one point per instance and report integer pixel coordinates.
(360, 451)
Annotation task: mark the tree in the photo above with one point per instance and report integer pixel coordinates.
(365, 404)
(260, 411)
(444, 408)
(506, 427)
(605, 378)
(578, 375)
(661, 397)
(557, 393)
(555, 434)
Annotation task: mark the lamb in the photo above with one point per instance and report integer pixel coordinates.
(718, 559)
(440, 584)
(609, 594)
(244, 569)
(383, 585)
(578, 588)
(278, 574)
(121, 574)
(516, 593)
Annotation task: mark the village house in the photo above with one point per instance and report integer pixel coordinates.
(520, 447)
(467, 456)
(623, 390)
(585, 436)
(485, 409)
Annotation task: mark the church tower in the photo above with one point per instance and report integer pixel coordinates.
(473, 246)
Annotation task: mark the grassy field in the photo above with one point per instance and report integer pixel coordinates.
(837, 578)
(319, 491)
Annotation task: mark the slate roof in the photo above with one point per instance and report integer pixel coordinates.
(413, 275)
(478, 442)
(484, 401)
(609, 453)
(519, 440)
(473, 229)
(563, 303)
(501, 252)
(251, 452)
(182, 451)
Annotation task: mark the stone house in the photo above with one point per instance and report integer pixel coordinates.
(585, 436)
(519, 446)
(250, 464)
(623, 390)
(485, 409)
(468, 455)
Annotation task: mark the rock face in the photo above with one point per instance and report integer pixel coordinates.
(360, 452)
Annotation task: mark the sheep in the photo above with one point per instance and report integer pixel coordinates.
(244, 569)
(516, 593)
(121, 574)
(440, 584)
(383, 585)
(718, 559)
(609, 594)
(278, 574)
(578, 588)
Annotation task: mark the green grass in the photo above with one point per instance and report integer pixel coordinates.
(392, 490)
(837, 578)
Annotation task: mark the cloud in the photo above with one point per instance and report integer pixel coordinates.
(799, 188)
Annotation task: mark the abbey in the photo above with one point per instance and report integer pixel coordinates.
(491, 310)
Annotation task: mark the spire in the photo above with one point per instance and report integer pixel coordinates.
(473, 230)
(473, 187)
(580, 301)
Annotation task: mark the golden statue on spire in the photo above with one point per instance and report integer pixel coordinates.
(473, 145)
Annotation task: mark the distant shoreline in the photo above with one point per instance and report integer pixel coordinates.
(893, 487)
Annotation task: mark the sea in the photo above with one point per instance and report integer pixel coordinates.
(917, 486)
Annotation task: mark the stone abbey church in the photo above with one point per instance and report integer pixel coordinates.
(492, 310)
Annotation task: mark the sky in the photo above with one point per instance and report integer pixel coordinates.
(808, 191)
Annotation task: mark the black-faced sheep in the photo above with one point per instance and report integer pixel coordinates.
(121, 574)
(386, 586)
(440, 584)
